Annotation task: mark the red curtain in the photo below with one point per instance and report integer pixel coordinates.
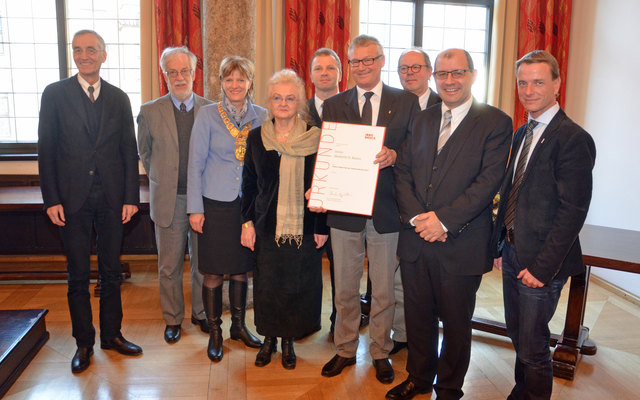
(310, 25)
(178, 24)
(544, 25)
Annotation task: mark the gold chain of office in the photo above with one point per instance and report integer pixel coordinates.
(239, 135)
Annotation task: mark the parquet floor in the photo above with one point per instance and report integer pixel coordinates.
(183, 371)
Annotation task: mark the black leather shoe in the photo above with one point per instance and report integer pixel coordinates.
(336, 365)
(384, 371)
(407, 390)
(264, 355)
(397, 346)
(122, 346)
(288, 355)
(204, 327)
(172, 333)
(81, 359)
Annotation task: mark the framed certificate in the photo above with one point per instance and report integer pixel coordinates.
(345, 177)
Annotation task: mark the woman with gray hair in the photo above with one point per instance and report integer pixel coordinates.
(216, 158)
(278, 226)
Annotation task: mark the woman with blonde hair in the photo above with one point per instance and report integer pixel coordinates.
(216, 159)
(278, 226)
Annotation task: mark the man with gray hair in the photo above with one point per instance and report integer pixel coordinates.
(164, 130)
(414, 70)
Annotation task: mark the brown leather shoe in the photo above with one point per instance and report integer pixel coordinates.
(384, 371)
(81, 359)
(336, 365)
(407, 390)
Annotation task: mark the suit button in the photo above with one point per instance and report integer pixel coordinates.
(435, 168)
(91, 172)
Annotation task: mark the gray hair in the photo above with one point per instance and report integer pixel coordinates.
(170, 52)
(363, 41)
(427, 61)
(90, 32)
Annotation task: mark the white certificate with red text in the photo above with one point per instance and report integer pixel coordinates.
(345, 177)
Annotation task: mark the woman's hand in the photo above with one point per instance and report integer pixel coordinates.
(320, 240)
(248, 236)
(196, 221)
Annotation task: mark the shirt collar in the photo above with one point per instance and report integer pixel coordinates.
(546, 116)
(85, 86)
(462, 109)
(188, 102)
(377, 90)
(424, 99)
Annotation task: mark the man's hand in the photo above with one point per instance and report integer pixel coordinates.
(320, 240)
(248, 237)
(128, 210)
(529, 280)
(56, 214)
(196, 221)
(429, 228)
(497, 263)
(307, 195)
(386, 157)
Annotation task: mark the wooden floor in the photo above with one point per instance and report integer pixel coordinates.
(183, 371)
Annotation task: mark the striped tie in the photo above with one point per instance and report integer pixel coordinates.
(445, 132)
(510, 215)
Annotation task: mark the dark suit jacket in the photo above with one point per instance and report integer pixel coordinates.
(69, 155)
(260, 184)
(433, 99)
(397, 108)
(458, 185)
(553, 202)
(315, 119)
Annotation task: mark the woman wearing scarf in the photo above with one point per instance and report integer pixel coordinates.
(216, 158)
(277, 225)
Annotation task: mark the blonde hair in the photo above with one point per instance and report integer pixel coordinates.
(288, 76)
(240, 64)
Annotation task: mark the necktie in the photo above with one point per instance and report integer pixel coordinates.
(510, 214)
(90, 89)
(183, 108)
(445, 132)
(366, 109)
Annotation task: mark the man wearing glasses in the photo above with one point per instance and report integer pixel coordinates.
(369, 103)
(164, 130)
(446, 175)
(414, 70)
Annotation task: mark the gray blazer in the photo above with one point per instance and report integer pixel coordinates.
(159, 153)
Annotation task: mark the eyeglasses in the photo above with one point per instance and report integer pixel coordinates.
(174, 74)
(455, 74)
(365, 61)
(278, 99)
(415, 68)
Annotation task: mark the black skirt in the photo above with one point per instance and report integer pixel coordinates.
(287, 287)
(219, 248)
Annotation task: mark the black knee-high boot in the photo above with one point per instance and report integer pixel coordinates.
(238, 302)
(212, 300)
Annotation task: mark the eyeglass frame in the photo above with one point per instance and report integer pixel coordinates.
(173, 74)
(365, 61)
(277, 99)
(462, 72)
(415, 68)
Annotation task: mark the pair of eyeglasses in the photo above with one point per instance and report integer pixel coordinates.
(278, 99)
(365, 61)
(455, 74)
(415, 68)
(174, 74)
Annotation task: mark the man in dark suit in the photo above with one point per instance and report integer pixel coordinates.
(369, 103)
(545, 197)
(88, 167)
(326, 73)
(447, 173)
(164, 130)
(414, 71)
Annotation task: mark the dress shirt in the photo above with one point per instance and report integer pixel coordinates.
(424, 99)
(187, 103)
(457, 114)
(543, 121)
(214, 171)
(85, 86)
(375, 101)
(318, 103)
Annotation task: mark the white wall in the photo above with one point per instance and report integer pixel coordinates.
(603, 95)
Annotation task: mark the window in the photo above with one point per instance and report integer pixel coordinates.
(433, 25)
(35, 50)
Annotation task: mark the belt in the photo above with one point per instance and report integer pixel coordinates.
(511, 237)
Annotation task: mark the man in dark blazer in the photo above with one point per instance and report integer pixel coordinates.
(414, 71)
(447, 173)
(370, 103)
(164, 130)
(88, 167)
(544, 201)
(326, 72)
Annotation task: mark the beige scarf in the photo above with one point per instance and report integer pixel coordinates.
(300, 143)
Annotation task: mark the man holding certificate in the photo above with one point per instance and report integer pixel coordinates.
(369, 103)
(447, 173)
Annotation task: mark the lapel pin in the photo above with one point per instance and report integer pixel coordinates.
(542, 141)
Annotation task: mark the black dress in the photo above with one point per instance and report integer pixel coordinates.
(287, 279)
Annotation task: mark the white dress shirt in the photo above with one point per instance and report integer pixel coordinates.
(375, 101)
(85, 86)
